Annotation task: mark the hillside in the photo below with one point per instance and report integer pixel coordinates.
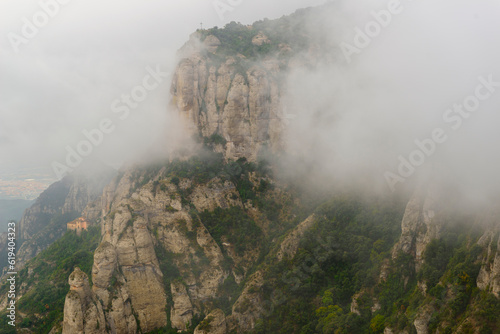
(214, 239)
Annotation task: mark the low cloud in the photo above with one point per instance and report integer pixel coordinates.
(64, 80)
(356, 117)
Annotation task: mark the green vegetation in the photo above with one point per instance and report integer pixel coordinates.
(235, 225)
(48, 281)
(207, 165)
(52, 199)
(214, 139)
(199, 169)
(337, 258)
(205, 325)
(54, 228)
(145, 174)
(342, 255)
(236, 38)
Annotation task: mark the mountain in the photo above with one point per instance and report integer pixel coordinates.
(214, 240)
(45, 221)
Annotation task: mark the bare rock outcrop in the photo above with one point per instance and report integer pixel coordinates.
(211, 43)
(489, 274)
(214, 323)
(249, 307)
(290, 245)
(419, 226)
(139, 221)
(182, 312)
(421, 322)
(260, 39)
(127, 261)
(215, 194)
(82, 311)
(241, 104)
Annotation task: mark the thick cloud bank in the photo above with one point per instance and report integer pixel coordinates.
(414, 87)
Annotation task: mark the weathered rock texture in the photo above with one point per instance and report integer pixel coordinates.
(82, 311)
(214, 323)
(250, 305)
(127, 275)
(489, 275)
(421, 322)
(157, 259)
(420, 225)
(243, 105)
(290, 245)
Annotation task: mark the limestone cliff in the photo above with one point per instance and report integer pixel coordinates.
(214, 323)
(420, 224)
(230, 97)
(82, 311)
(207, 242)
(489, 275)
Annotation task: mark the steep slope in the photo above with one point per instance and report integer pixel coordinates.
(176, 235)
(229, 83)
(211, 241)
(214, 238)
(43, 283)
(45, 221)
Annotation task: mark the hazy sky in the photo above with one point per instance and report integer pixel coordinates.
(62, 79)
(367, 114)
(422, 92)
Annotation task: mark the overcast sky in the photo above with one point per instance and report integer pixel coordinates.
(434, 68)
(362, 117)
(62, 79)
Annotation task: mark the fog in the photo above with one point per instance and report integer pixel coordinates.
(358, 114)
(63, 79)
(357, 117)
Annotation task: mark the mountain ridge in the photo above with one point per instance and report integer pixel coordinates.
(212, 240)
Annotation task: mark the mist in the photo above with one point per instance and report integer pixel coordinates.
(361, 113)
(63, 78)
(356, 115)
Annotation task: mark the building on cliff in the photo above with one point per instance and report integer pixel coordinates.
(78, 225)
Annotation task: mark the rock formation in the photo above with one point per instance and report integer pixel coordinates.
(158, 260)
(240, 104)
(489, 275)
(214, 323)
(82, 311)
(420, 224)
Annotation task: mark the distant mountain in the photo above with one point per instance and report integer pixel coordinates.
(12, 210)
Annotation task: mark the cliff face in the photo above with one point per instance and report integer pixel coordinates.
(420, 225)
(489, 275)
(83, 311)
(149, 220)
(231, 97)
(127, 256)
(212, 243)
(153, 248)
